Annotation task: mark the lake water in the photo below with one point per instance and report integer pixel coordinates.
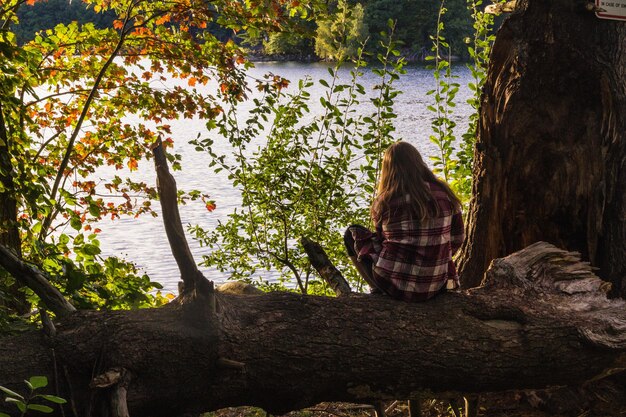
(143, 240)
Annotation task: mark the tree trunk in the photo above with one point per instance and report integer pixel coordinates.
(9, 234)
(13, 298)
(541, 320)
(551, 146)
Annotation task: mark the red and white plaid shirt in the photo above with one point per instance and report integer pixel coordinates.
(412, 260)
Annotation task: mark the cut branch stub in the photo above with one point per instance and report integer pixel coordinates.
(117, 381)
(34, 279)
(192, 278)
(319, 260)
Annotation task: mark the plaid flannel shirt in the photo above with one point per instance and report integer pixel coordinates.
(412, 260)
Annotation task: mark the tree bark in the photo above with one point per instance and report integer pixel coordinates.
(542, 319)
(551, 146)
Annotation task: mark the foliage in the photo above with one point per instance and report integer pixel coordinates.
(455, 159)
(340, 35)
(288, 43)
(302, 178)
(297, 42)
(444, 95)
(415, 20)
(479, 48)
(24, 403)
(45, 15)
(66, 101)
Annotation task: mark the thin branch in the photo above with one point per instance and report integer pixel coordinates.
(46, 143)
(288, 263)
(79, 91)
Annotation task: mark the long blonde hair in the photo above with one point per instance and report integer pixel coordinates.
(404, 173)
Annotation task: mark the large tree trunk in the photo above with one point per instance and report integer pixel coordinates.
(541, 320)
(551, 146)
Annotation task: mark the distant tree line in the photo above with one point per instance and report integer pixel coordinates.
(47, 14)
(349, 23)
(333, 36)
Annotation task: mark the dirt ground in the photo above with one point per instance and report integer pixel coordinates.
(604, 399)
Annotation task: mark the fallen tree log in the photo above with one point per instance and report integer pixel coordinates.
(541, 319)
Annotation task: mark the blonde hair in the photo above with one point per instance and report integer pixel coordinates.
(404, 173)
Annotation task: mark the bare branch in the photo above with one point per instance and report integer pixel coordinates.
(319, 260)
(191, 276)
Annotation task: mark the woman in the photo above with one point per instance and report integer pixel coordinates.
(418, 229)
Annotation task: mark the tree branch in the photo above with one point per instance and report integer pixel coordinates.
(168, 196)
(34, 279)
(319, 260)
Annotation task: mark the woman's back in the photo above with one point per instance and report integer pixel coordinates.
(418, 229)
(415, 258)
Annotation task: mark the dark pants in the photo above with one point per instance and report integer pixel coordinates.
(348, 239)
(363, 266)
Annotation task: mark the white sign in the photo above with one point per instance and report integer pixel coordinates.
(613, 9)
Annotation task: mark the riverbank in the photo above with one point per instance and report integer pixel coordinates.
(420, 57)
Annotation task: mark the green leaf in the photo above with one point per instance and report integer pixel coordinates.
(75, 223)
(53, 398)
(94, 210)
(10, 393)
(90, 249)
(39, 407)
(18, 403)
(38, 381)
(64, 239)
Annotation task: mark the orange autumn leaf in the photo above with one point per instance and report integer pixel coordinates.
(210, 206)
(192, 81)
(163, 19)
(118, 24)
(132, 164)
